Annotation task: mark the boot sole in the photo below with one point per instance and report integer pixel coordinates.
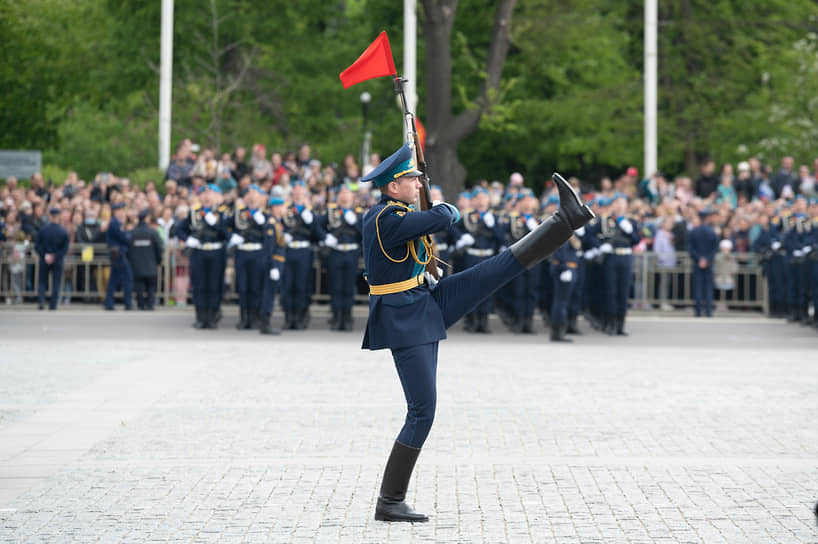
(382, 517)
(586, 211)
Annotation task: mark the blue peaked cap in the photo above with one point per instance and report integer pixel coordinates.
(398, 164)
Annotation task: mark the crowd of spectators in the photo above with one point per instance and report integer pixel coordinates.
(743, 199)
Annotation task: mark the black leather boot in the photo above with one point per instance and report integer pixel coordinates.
(212, 318)
(335, 320)
(516, 324)
(469, 322)
(303, 319)
(610, 325)
(483, 323)
(540, 243)
(528, 324)
(242, 324)
(620, 326)
(265, 327)
(396, 477)
(348, 322)
(200, 322)
(572, 325)
(558, 333)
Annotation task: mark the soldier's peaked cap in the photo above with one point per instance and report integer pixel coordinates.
(398, 164)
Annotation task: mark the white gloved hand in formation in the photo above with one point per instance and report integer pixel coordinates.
(797, 253)
(606, 248)
(806, 249)
(776, 245)
(591, 254)
(580, 231)
(566, 276)
(259, 218)
(431, 279)
(236, 240)
(350, 217)
(211, 218)
(464, 241)
(626, 226)
(192, 242)
(331, 241)
(306, 215)
(275, 275)
(488, 219)
(532, 223)
(288, 238)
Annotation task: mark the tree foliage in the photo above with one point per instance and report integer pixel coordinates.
(80, 81)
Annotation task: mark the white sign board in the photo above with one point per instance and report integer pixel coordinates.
(20, 164)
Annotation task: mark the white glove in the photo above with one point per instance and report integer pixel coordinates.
(350, 217)
(275, 275)
(805, 250)
(776, 245)
(626, 226)
(591, 254)
(192, 242)
(235, 240)
(259, 217)
(532, 223)
(465, 241)
(566, 276)
(331, 241)
(306, 215)
(450, 206)
(797, 253)
(431, 279)
(580, 231)
(211, 218)
(606, 248)
(488, 219)
(437, 203)
(288, 238)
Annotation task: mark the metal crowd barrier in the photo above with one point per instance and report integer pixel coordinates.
(87, 269)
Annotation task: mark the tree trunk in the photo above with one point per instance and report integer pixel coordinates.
(444, 131)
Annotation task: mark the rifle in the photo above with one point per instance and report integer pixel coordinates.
(414, 139)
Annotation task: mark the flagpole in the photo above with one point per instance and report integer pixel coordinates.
(165, 82)
(410, 53)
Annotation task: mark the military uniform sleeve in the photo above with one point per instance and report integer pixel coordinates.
(398, 227)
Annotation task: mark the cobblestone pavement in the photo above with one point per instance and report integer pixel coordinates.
(126, 427)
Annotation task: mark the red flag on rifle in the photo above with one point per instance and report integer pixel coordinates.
(376, 61)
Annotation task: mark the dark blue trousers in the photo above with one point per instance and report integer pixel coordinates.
(297, 279)
(563, 291)
(575, 302)
(121, 277)
(55, 269)
(456, 295)
(470, 261)
(250, 278)
(618, 277)
(525, 292)
(268, 297)
(798, 277)
(207, 277)
(342, 269)
(703, 289)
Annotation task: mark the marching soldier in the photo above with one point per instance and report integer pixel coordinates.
(564, 267)
(617, 235)
(342, 225)
(275, 251)
(51, 244)
(522, 292)
(247, 225)
(204, 231)
(121, 274)
(479, 236)
(145, 254)
(797, 244)
(300, 233)
(410, 317)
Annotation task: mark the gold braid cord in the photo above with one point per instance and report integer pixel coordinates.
(410, 247)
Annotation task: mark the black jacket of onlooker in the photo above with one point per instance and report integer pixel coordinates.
(783, 178)
(706, 185)
(145, 251)
(89, 233)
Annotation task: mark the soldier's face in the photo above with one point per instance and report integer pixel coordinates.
(407, 189)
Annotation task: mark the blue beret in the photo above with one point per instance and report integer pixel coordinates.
(801, 197)
(433, 187)
(55, 211)
(215, 188)
(276, 197)
(477, 191)
(553, 199)
(603, 201)
(299, 182)
(117, 206)
(398, 164)
(619, 195)
(256, 188)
